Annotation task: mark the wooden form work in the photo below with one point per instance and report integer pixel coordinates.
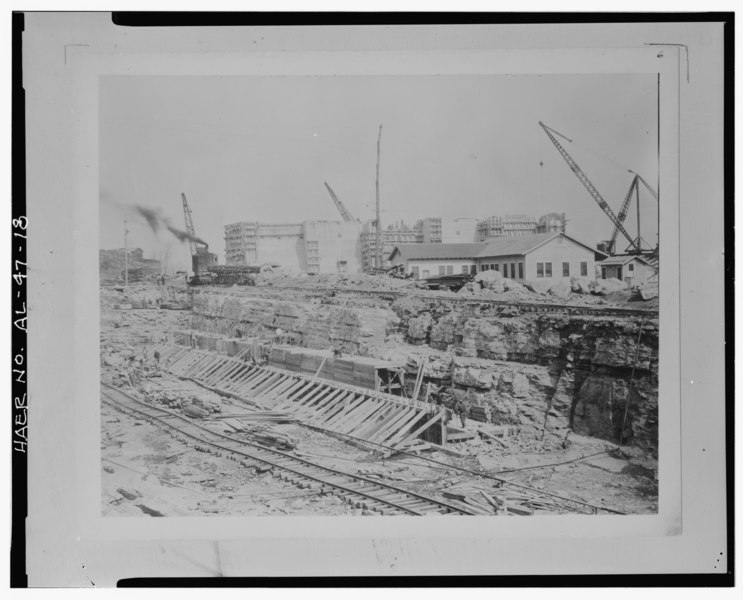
(365, 414)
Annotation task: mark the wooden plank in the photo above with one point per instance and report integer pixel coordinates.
(299, 391)
(420, 430)
(333, 407)
(357, 414)
(370, 421)
(393, 425)
(396, 427)
(319, 401)
(402, 433)
(267, 383)
(245, 383)
(282, 394)
(492, 501)
(277, 388)
(321, 390)
(349, 407)
(394, 411)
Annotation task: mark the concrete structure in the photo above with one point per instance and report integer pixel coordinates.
(518, 225)
(250, 243)
(506, 226)
(331, 247)
(430, 229)
(311, 246)
(538, 256)
(394, 235)
(631, 268)
(459, 231)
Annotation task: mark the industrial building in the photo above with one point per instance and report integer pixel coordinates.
(519, 225)
(350, 246)
(631, 268)
(536, 256)
(310, 246)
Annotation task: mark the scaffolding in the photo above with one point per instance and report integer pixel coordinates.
(506, 226)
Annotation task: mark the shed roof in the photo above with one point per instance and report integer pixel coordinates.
(501, 246)
(622, 259)
(508, 246)
(437, 251)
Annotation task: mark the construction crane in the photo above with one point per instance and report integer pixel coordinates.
(189, 226)
(634, 188)
(339, 205)
(634, 244)
(201, 259)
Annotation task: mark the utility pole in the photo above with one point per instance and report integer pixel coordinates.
(639, 235)
(126, 257)
(378, 260)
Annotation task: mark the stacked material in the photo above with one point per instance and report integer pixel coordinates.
(195, 411)
(478, 413)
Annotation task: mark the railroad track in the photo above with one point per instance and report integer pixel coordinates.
(358, 491)
(523, 307)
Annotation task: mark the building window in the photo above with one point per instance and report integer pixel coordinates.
(486, 267)
(566, 269)
(521, 270)
(415, 271)
(492, 266)
(631, 268)
(450, 269)
(483, 267)
(603, 272)
(442, 270)
(513, 270)
(548, 269)
(464, 269)
(497, 268)
(584, 269)
(540, 269)
(473, 269)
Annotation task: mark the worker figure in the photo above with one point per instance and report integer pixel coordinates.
(157, 360)
(460, 410)
(446, 419)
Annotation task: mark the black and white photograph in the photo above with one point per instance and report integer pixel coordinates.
(322, 284)
(399, 295)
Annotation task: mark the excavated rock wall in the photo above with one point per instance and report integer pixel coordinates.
(547, 371)
(544, 373)
(309, 324)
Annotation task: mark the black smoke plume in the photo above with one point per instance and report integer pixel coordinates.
(155, 220)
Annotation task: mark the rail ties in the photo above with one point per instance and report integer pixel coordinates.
(354, 489)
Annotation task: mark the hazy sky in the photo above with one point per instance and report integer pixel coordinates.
(258, 148)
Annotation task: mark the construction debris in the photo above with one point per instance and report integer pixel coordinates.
(435, 391)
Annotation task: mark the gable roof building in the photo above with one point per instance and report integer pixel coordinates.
(549, 255)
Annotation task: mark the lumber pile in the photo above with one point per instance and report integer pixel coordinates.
(260, 416)
(260, 434)
(504, 502)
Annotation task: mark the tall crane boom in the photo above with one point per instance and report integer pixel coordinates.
(339, 205)
(623, 210)
(189, 225)
(589, 186)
